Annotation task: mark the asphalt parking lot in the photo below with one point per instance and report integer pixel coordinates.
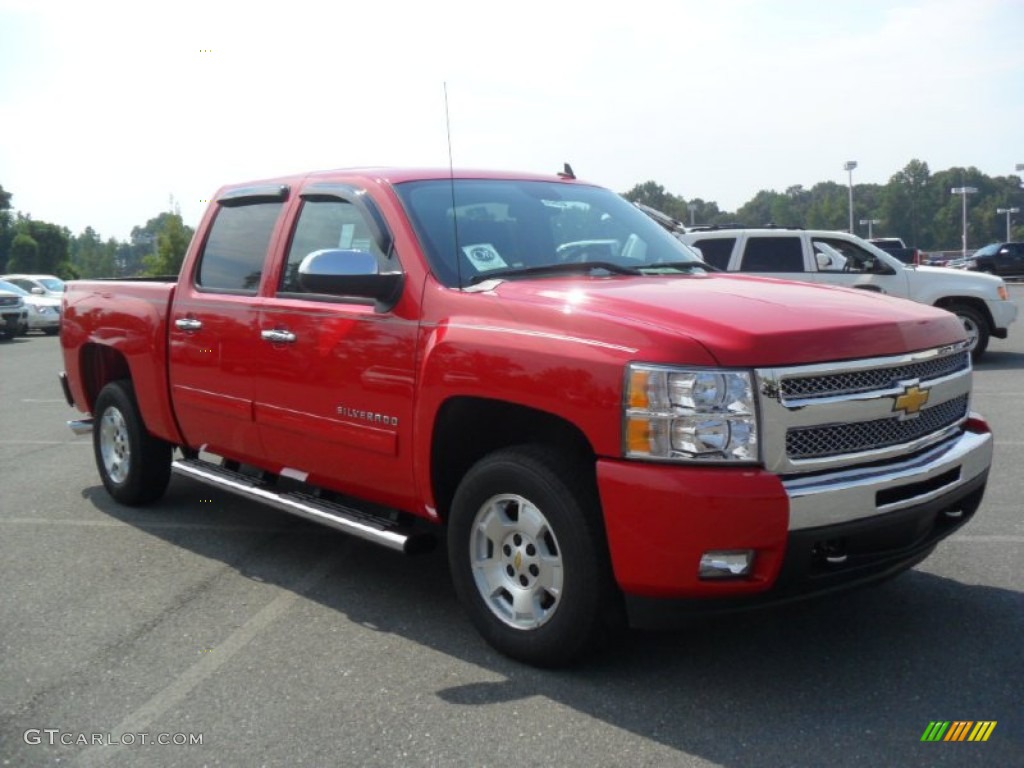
(276, 642)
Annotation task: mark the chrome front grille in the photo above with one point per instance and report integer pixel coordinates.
(9, 301)
(854, 382)
(838, 439)
(827, 416)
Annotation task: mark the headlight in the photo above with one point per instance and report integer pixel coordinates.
(677, 414)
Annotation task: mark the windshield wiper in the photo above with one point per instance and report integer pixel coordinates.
(568, 268)
(678, 266)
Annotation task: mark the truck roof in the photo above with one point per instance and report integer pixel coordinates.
(398, 175)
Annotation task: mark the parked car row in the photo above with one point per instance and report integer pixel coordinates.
(30, 303)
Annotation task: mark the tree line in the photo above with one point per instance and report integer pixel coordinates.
(31, 246)
(914, 204)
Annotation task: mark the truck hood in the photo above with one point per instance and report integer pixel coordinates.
(740, 321)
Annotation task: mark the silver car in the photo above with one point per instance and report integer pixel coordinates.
(50, 286)
(43, 313)
(13, 315)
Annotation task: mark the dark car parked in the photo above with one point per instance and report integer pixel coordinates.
(1003, 259)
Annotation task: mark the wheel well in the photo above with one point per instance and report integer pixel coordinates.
(978, 305)
(467, 429)
(100, 365)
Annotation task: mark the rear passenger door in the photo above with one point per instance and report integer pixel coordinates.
(774, 255)
(214, 334)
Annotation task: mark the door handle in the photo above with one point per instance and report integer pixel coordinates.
(277, 336)
(188, 324)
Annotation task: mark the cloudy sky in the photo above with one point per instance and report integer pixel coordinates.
(108, 109)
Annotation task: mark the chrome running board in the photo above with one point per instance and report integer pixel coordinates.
(375, 528)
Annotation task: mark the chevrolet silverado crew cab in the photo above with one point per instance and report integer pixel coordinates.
(531, 366)
(836, 258)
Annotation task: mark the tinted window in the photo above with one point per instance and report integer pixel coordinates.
(716, 250)
(232, 259)
(327, 224)
(773, 254)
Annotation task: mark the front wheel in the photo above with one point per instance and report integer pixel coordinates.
(529, 560)
(135, 466)
(975, 326)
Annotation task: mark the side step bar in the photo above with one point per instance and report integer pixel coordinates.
(375, 528)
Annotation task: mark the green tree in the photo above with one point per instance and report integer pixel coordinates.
(91, 257)
(6, 228)
(172, 241)
(52, 240)
(24, 254)
(653, 194)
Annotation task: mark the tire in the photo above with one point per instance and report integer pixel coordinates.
(976, 327)
(528, 557)
(135, 466)
(51, 331)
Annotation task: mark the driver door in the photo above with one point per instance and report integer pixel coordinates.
(845, 263)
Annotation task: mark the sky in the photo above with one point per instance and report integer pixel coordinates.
(112, 112)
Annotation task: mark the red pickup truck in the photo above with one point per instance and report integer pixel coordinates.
(599, 423)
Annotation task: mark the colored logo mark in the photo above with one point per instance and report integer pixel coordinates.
(911, 401)
(958, 730)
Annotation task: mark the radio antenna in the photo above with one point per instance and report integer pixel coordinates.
(451, 183)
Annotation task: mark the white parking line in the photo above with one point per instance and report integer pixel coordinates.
(34, 400)
(46, 442)
(1007, 538)
(143, 525)
(140, 720)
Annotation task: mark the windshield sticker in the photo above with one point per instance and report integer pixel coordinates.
(484, 257)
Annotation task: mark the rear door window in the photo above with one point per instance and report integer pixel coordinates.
(236, 248)
(716, 250)
(773, 254)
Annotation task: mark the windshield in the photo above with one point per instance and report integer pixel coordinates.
(533, 228)
(12, 288)
(52, 284)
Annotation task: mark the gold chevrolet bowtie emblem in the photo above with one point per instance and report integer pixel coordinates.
(911, 401)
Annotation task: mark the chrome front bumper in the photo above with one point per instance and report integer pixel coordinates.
(843, 496)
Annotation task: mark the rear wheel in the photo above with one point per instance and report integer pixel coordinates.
(135, 466)
(529, 560)
(976, 327)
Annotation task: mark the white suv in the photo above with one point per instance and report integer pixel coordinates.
(837, 258)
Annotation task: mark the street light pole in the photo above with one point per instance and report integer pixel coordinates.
(848, 166)
(1007, 211)
(693, 212)
(964, 192)
(870, 223)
